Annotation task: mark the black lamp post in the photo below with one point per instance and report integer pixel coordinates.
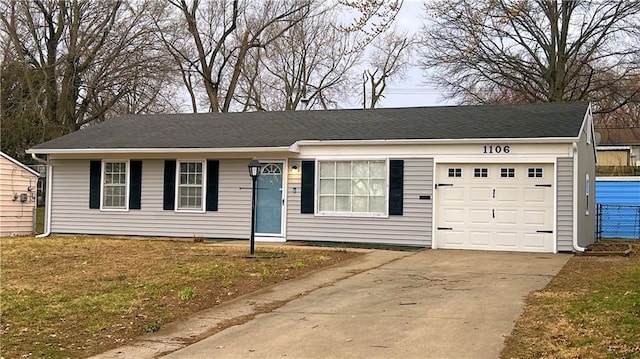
(254, 172)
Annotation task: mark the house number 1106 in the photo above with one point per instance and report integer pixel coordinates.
(497, 149)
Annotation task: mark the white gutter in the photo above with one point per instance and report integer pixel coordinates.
(158, 150)
(612, 148)
(47, 198)
(432, 141)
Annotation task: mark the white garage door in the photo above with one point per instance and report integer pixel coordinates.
(507, 207)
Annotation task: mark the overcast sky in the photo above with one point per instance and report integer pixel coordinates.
(413, 91)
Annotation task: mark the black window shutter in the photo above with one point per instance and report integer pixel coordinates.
(95, 168)
(168, 201)
(308, 187)
(213, 167)
(135, 184)
(396, 184)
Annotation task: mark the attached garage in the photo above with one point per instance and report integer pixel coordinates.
(495, 206)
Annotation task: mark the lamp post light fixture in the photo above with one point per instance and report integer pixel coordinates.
(254, 172)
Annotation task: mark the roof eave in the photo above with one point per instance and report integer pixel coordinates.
(434, 141)
(55, 151)
(20, 164)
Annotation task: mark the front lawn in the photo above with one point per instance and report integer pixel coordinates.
(77, 296)
(591, 309)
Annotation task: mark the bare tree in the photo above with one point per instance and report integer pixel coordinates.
(80, 62)
(307, 67)
(370, 17)
(390, 56)
(222, 34)
(535, 50)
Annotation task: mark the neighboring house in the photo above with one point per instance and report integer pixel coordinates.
(18, 186)
(618, 146)
(503, 177)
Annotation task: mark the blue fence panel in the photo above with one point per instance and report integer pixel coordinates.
(619, 201)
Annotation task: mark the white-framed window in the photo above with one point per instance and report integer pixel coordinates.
(352, 187)
(507, 172)
(115, 185)
(534, 172)
(454, 172)
(480, 172)
(190, 189)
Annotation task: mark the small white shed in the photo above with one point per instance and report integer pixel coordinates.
(18, 186)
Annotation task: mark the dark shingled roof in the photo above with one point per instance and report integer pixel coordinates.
(274, 129)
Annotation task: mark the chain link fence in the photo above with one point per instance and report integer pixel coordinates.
(618, 221)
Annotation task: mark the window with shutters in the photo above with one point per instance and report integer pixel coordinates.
(190, 186)
(352, 187)
(115, 183)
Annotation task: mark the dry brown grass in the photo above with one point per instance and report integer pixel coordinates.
(591, 309)
(74, 296)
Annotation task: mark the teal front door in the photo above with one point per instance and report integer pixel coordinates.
(269, 200)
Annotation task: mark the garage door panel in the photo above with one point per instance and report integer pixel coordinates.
(453, 194)
(480, 194)
(537, 242)
(479, 216)
(510, 195)
(453, 216)
(536, 195)
(480, 238)
(535, 218)
(507, 240)
(506, 216)
(452, 239)
(495, 212)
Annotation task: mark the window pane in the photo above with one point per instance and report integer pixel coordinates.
(360, 169)
(377, 169)
(343, 204)
(377, 187)
(326, 204)
(376, 204)
(360, 204)
(343, 186)
(343, 169)
(327, 186)
(360, 187)
(327, 169)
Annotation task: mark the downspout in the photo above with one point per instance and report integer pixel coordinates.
(576, 193)
(47, 198)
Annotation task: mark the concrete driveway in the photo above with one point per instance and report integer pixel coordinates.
(427, 304)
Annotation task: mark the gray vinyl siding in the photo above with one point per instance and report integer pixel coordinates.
(412, 228)
(586, 206)
(564, 209)
(71, 213)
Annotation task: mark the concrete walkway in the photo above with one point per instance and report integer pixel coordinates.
(427, 304)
